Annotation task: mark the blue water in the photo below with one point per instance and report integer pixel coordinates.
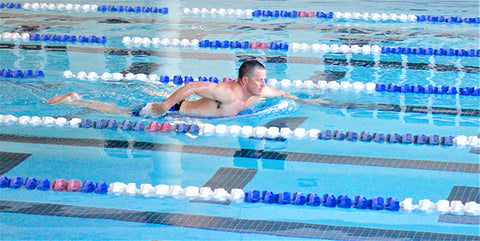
(20, 97)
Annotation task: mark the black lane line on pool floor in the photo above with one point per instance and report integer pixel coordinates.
(250, 153)
(241, 57)
(228, 178)
(464, 194)
(228, 224)
(9, 160)
(475, 150)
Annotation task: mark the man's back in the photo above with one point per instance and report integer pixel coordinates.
(228, 101)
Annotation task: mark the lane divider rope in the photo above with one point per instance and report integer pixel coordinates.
(284, 84)
(21, 74)
(83, 8)
(238, 195)
(25, 37)
(322, 48)
(331, 15)
(259, 132)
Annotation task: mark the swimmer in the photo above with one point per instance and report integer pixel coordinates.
(217, 100)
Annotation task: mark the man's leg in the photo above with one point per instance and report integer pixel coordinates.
(74, 99)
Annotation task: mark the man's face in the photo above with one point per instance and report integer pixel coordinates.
(256, 82)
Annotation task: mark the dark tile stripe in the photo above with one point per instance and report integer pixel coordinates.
(250, 153)
(290, 122)
(9, 160)
(230, 178)
(475, 150)
(241, 58)
(464, 219)
(280, 228)
(464, 194)
(408, 108)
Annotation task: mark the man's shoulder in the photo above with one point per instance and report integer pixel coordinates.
(228, 91)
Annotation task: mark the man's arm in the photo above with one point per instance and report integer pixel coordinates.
(270, 92)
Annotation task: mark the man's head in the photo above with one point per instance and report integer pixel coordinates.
(251, 76)
(248, 67)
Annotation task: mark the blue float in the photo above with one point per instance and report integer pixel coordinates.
(274, 45)
(393, 138)
(16, 182)
(418, 89)
(139, 126)
(407, 138)
(268, 197)
(325, 135)
(338, 135)
(17, 74)
(405, 88)
(299, 198)
(465, 90)
(88, 186)
(181, 128)
(112, 124)
(392, 204)
(343, 201)
(213, 79)
(420, 139)
(447, 140)
(380, 87)
(351, 136)
(376, 203)
(43, 184)
(164, 79)
(188, 79)
(365, 136)
(100, 124)
(31, 183)
(101, 187)
(53, 37)
(440, 89)
(329, 200)
(313, 200)
(39, 74)
(193, 129)
(4, 181)
(452, 90)
(236, 44)
(86, 123)
(177, 79)
(433, 140)
(360, 202)
(252, 196)
(127, 125)
(378, 137)
(28, 73)
(284, 198)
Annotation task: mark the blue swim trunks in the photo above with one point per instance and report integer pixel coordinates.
(146, 109)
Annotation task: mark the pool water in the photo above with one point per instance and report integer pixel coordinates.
(307, 165)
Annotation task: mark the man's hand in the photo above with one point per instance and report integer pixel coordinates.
(159, 108)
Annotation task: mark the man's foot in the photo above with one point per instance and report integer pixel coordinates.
(66, 98)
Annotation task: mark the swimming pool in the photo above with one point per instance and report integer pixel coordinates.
(222, 156)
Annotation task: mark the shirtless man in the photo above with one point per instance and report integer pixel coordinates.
(217, 100)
